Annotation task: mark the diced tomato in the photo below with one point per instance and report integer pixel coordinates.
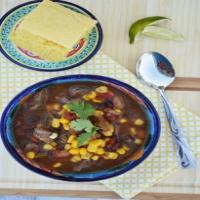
(34, 139)
(104, 96)
(69, 116)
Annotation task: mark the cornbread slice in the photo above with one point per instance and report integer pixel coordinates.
(51, 30)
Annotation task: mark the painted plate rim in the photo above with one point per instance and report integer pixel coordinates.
(93, 52)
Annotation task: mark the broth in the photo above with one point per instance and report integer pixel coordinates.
(47, 127)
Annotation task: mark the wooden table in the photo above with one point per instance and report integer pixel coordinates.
(116, 16)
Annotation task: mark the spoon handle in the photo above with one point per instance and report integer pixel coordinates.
(184, 151)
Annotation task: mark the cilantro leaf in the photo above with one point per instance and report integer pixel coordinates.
(86, 136)
(82, 109)
(82, 124)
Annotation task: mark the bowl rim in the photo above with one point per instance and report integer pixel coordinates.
(93, 53)
(87, 77)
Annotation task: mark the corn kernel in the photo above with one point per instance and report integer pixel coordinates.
(138, 122)
(66, 107)
(66, 127)
(53, 144)
(75, 159)
(85, 97)
(61, 112)
(53, 136)
(105, 157)
(98, 142)
(98, 113)
(133, 131)
(103, 144)
(47, 147)
(125, 148)
(107, 139)
(102, 89)
(74, 151)
(71, 138)
(90, 95)
(64, 121)
(55, 123)
(100, 151)
(107, 133)
(118, 111)
(56, 106)
(92, 148)
(74, 144)
(97, 100)
(111, 155)
(123, 120)
(57, 165)
(138, 141)
(67, 147)
(121, 151)
(93, 145)
(86, 156)
(95, 157)
(30, 155)
(83, 151)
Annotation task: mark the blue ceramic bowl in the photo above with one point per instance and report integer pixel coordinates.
(152, 115)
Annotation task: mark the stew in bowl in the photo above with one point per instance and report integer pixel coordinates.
(80, 127)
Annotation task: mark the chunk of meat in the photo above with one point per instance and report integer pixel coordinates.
(106, 128)
(84, 164)
(78, 90)
(40, 98)
(64, 100)
(118, 102)
(62, 139)
(30, 119)
(45, 119)
(42, 135)
(60, 154)
(31, 147)
(111, 115)
(108, 104)
(127, 140)
(117, 132)
(104, 125)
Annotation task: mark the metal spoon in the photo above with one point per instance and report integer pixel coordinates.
(156, 71)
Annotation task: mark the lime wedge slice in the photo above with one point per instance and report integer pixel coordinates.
(138, 26)
(162, 33)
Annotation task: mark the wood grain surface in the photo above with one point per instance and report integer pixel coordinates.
(185, 84)
(99, 195)
(116, 16)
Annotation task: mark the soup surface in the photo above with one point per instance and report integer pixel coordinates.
(80, 127)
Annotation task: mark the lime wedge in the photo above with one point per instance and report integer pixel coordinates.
(162, 33)
(138, 26)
